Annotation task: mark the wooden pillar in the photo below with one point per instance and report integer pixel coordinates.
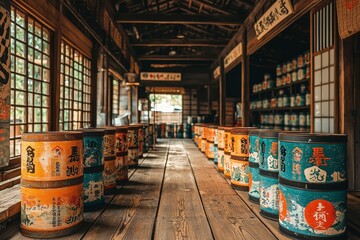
(209, 98)
(94, 85)
(222, 95)
(245, 82)
(5, 83)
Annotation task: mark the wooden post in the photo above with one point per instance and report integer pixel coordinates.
(94, 85)
(209, 98)
(5, 83)
(245, 82)
(222, 95)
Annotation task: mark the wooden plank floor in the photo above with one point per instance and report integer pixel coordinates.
(175, 193)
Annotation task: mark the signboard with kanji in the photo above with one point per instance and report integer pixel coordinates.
(280, 10)
(233, 55)
(160, 76)
(216, 72)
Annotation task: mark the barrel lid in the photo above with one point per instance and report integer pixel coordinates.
(52, 136)
(273, 133)
(225, 128)
(242, 130)
(212, 126)
(197, 124)
(121, 128)
(93, 131)
(256, 132)
(312, 137)
(109, 129)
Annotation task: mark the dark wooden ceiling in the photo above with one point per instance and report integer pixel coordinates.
(179, 32)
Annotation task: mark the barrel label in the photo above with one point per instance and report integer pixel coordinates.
(269, 190)
(227, 142)
(109, 145)
(132, 138)
(215, 154)
(269, 154)
(133, 157)
(239, 145)
(93, 188)
(254, 149)
(51, 209)
(221, 157)
(109, 174)
(239, 172)
(313, 213)
(216, 140)
(227, 165)
(220, 137)
(57, 160)
(313, 162)
(254, 182)
(211, 152)
(93, 151)
(203, 145)
(121, 165)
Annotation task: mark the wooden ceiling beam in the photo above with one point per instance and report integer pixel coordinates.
(211, 6)
(179, 43)
(175, 58)
(177, 19)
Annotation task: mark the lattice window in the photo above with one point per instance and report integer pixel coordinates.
(75, 85)
(324, 70)
(30, 77)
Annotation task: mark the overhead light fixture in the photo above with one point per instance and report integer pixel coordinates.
(180, 35)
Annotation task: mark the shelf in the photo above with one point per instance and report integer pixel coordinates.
(281, 109)
(281, 87)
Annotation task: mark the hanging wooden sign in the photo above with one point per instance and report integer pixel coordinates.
(4, 83)
(160, 76)
(233, 55)
(280, 10)
(216, 72)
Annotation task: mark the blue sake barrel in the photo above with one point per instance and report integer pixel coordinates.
(254, 177)
(269, 171)
(312, 185)
(180, 131)
(93, 169)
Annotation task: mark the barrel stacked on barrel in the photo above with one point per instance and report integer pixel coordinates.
(67, 173)
(297, 178)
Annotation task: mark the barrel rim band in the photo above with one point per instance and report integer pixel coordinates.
(122, 154)
(254, 199)
(239, 158)
(54, 184)
(52, 234)
(221, 149)
(266, 173)
(94, 169)
(313, 138)
(242, 130)
(271, 216)
(314, 186)
(255, 132)
(52, 136)
(253, 165)
(239, 188)
(303, 236)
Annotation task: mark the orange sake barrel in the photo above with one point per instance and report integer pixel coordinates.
(239, 147)
(109, 141)
(227, 152)
(51, 184)
(221, 145)
(133, 151)
(109, 160)
(141, 139)
(121, 151)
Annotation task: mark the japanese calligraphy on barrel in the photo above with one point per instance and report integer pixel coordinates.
(109, 142)
(109, 175)
(227, 152)
(312, 185)
(121, 141)
(121, 166)
(133, 151)
(52, 184)
(221, 145)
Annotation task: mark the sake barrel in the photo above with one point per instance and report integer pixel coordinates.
(239, 150)
(227, 152)
(163, 130)
(216, 145)
(121, 166)
(313, 185)
(133, 152)
(146, 137)
(180, 131)
(221, 145)
(51, 184)
(93, 169)
(269, 171)
(151, 136)
(141, 139)
(109, 175)
(254, 154)
(121, 141)
(170, 130)
(109, 142)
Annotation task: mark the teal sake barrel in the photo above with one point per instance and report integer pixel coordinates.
(312, 185)
(254, 176)
(93, 139)
(269, 190)
(269, 171)
(215, 154)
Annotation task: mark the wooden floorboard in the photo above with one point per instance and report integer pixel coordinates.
(227, 214)
(181, 214)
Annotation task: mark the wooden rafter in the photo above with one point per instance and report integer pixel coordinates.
(179, 43)
(176, 58)
(211, 6)
(178, 19)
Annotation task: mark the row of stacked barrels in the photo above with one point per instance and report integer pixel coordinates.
(172, 130)
(66, 173)
(299, 179)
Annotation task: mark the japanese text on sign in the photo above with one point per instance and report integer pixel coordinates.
(160, 76)
(216, 72)
(272, 17)
(233, 55)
